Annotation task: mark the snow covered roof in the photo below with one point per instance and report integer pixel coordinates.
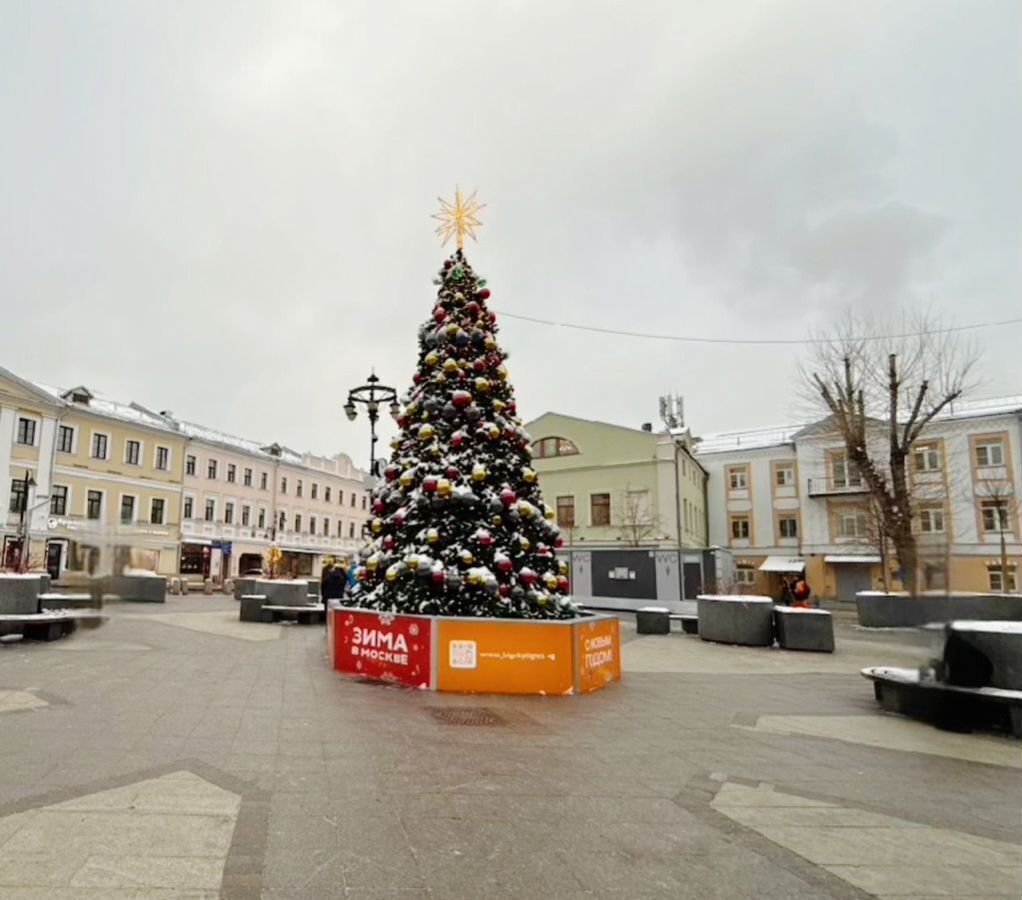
(253, 448)
(726, 441)
(114, 409)
(993, 406)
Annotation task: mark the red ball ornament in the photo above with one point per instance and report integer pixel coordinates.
(447, 264)
(429, 484)
(472, 308)
(439, 576)
(399, 517)
(377, 506)
(452, 473)
(563, 584)
(417, 378)
(559, 542)
(527, 576)
(504, 564)
(479, 365)
(484, 539)
(388, 542)
(457, 439)
(512, 407)
(508, 496)
(402, 421)
(390, 473)
(504, 589)
(439, 315)
(461, 398)
(484, 294)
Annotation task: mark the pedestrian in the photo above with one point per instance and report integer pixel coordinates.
(785, 591)
(801, 593)
(331, 586)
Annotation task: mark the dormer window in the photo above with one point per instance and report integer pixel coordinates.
(553, 446)
(81, 395)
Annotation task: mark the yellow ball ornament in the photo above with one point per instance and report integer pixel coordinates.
(479, 472)
(432, 536)
(426, 432)
(407, 478)
(432, 358)
(528, 475)
(444, 488)
(482, 385)
(451, 366)
(377, 526)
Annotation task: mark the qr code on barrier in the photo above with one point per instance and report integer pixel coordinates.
(463, 654)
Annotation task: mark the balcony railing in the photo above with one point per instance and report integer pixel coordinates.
(827, 487)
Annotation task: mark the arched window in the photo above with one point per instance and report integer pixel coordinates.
(546, 447)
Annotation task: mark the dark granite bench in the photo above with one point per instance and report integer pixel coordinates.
(47, 626)
(653, 620)
(252, 608)
(309, 615)
(689, 623)
(804, 629)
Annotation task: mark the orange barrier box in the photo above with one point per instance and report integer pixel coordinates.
(493, 656)
(597, 652)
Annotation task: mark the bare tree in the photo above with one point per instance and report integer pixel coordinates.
(633, 517)
(1000, 497)
(888, 384)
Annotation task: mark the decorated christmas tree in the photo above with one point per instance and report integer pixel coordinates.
(460, 527)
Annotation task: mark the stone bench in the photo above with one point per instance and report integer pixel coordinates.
(67, 601)
(136, 588)
(19, 594)
(309, 615)
(252, 608)
(736, 619)
(804, 629)
(689, 623)
(653, 620)
(47, 626)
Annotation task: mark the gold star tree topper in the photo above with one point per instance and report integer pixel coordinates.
(458, 218)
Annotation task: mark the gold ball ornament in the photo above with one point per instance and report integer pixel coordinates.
(453, 329)
(479, 472)
(493, 431)
(496, 520)
(426, 432)
(407, 478)
(499, 405)
(392, 572)
(444, 488)
(549, 513)
(528, 475)
(377, 526)
(482, 385)
(451, 366)
(413, 563)
(563, 567)
(551, 582)
(373, 563)
(432, 535)
(490, 343)
(525, 509)
(432, 358)
(502, 372)
(524, 543)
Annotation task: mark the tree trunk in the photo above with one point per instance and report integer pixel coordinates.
(908, 557)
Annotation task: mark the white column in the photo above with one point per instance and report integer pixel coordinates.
(7, 416)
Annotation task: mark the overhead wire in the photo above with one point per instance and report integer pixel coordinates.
(691, 339)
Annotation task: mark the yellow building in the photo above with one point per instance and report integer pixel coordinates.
(104, 486)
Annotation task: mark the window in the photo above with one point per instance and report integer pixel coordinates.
(162, 458)
(738, 478)
(65, 439)
(851, 523)
(246, 514)
(745, 575)
(312, 524)
(298, 488)
(99, 442)
(315, 490)
(58, 500)
(262, 481)
(93, 504)
(132, 449)
(26, 431)
(996, 577)
(995, 516)
(351, 529)
(784, 476)
(926, 458)
(19, 494)
(788, 527)
(210, 510)
(844, 474)
(326, 527)
(298, 523)
(989, 453)
(340, 496)
(127, 508)
(364, 501)
(353, 498)
(261, 522)
(247, 478)
(211, 469)
(156, 511)
(326, 494)
(340, 524)
(740, 528)
(232, 471)
(283, 485)
(553, 446)
(566, 512)
(186, 513)
(228, 513)
(599, 509)
(189, 465)
(931, 519)
(283, 521)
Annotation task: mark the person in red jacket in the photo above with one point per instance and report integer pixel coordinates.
(801, 593)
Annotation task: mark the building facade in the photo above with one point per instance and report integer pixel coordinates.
(95, 486)
(788, 500)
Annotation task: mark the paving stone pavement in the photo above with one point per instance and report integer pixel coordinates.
(179, 754)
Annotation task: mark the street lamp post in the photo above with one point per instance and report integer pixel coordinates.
(29, 482)
(371, 395)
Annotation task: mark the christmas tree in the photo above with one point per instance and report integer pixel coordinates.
(460, 527)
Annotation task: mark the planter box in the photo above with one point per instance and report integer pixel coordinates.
(984, 654)
(727, 619)
(137, 588)
(67, 601)
(252, 608)
(476, 655)
(279, 592)
(804, 629)
(878, 610)
(243, 586)
(19, 594)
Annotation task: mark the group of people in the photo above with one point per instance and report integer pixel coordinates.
(334, 579)
(795, 592)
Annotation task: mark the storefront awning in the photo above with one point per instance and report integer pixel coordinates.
(852, 560)
(783, 564)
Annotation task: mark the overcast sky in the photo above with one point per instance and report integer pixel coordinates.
(222, 209)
